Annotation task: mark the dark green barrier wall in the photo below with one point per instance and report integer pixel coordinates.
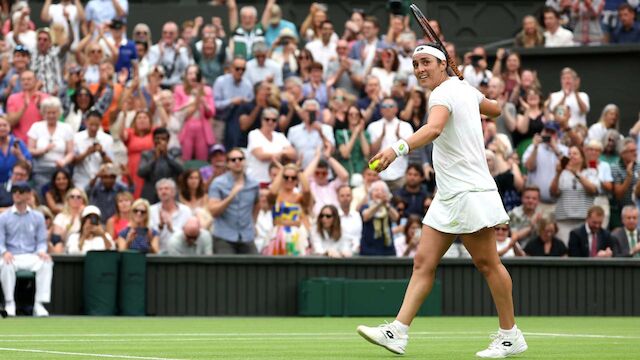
(261, 286)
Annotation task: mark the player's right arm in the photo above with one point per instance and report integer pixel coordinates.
(438, 117)
(490, 108)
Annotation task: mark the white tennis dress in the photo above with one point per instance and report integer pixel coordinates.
(467, 199)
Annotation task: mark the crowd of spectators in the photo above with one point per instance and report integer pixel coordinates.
(254, 139)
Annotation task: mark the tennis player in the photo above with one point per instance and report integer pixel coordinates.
(467, 203)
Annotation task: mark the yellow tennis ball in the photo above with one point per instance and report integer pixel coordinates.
(374, 164)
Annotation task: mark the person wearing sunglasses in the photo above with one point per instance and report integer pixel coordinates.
(266, 144)
(23, 245)
(507, 246)
(139, 235)
(68, 221)
(319, 171)
(191, 240)
(290, 212)
(232, 89)
(385, 132)
(46, 61)
(233, 202)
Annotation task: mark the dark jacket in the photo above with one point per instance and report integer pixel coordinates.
(579, 242)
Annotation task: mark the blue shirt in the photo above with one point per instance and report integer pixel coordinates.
(225, 88)
(8, 160)
(24, 233)
(126, 54)
(271, 32)
(619, 35)
(5, 83)
(141, 242)
(235, 224)
(372, 245)
(101, 11)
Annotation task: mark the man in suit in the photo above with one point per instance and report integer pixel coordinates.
(626, 237)
(590, 239)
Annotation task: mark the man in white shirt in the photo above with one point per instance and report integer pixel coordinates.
(541, 159)
(170, 53)
(323, 49)
(168, 215)
(260, 68)
(384, 133)
(93, 147)
(554, 34)
(307, 137)
(350, 220)
(569, 95)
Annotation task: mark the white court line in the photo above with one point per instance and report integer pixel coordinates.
(34, 338)
(582, 335)
(84, 354)
(222, 334)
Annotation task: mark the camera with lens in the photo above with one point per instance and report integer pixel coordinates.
(395, 7)
(475, 60)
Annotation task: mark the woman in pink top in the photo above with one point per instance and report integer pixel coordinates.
(195, 99)
(138, 139)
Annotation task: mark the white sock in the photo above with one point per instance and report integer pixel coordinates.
(9, 303)
(400, 326)
(510, 332)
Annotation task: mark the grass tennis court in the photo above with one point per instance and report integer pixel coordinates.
(149, 338)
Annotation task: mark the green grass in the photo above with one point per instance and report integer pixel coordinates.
(305, 338)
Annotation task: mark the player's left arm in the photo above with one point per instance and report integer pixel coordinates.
(490, 108)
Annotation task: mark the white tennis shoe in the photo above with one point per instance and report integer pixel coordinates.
(10, 308)
(504, 345)
(385, 335)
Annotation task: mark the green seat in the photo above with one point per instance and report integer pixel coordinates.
(25, 274)
(195, 164)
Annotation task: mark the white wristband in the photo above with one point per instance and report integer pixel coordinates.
(400, 147)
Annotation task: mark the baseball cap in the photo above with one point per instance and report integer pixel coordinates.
(116, 24)
(21, 49)
(552, 125)
(91, 210)
(217, 148)
(20, 185)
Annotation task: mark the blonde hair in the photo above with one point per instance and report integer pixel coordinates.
(147, 207)
(66, 209)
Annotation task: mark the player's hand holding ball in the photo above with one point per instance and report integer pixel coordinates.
(382, 160)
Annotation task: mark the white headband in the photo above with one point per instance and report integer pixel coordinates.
(425, 49)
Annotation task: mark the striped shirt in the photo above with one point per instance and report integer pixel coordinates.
(619, 172)
(574, 201)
